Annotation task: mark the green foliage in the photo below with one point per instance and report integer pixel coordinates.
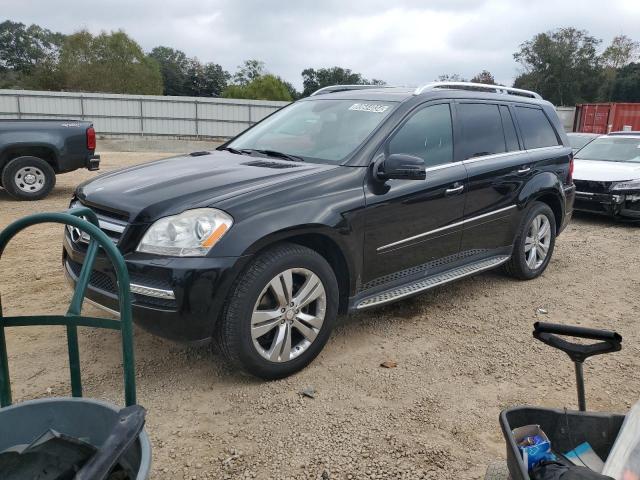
(450, 77)
(626, 86)
(621, 52)
(22, 47)
(562, 65)
(187, 76)
(249, 71)
(110, 62)
(264, 87)
(313, 79)
(484, 76)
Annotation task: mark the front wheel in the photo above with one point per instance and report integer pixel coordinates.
(534, 243)
(280, 313)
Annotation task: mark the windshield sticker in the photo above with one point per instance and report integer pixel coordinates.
(369, 107)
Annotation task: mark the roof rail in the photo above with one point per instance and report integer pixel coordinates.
(345, 88)
(476, 86)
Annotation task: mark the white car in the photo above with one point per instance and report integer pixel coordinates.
(607, 176)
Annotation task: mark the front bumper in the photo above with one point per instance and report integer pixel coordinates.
(620, 205)
(199, 287)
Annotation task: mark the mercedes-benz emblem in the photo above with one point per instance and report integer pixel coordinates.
(74, 233)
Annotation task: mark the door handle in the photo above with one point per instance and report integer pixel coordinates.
(524, 170)
(453, 191)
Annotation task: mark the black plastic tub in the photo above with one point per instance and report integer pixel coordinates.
(565, 428)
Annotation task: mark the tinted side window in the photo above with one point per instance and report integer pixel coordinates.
(536, 129)
(509, 129)
(427, 134)
(481, 130)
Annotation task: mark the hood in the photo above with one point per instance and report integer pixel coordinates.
(597, 170)
(144, 193)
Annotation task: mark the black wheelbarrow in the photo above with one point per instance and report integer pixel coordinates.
(74, 438)
(566, 429)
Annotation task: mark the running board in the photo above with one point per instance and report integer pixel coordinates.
(431, 282)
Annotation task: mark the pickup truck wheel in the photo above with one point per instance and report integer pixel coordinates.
(280, 312)
(28, 178)
(534, 244)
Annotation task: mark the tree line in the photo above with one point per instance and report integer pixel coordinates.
(564, 65)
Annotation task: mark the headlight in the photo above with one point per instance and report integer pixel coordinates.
(190, 234)
(628, 185)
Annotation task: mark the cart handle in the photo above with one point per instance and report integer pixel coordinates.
(548, 333)
(87, 221)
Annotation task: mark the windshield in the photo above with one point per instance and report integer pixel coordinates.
(612, 149)
(316, 130)
(579, 141)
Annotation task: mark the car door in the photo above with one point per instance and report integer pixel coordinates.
(411, 224)
(497, 168)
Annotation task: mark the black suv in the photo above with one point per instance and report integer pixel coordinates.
(349, 199)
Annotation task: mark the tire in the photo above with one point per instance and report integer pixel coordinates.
(518, 265)
(28, 178)
(497, 471)
(253, 328)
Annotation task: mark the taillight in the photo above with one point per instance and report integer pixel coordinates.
(570, 176)
(91, 138)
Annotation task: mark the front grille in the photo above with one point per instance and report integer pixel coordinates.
(592, 186)
(101, 281)
(112, 226)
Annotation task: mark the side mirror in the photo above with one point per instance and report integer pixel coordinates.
(401, 167)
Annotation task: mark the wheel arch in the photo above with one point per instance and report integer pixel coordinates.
(546, 188)
(43, 151)
(324, 243)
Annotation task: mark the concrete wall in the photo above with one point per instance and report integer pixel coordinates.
(141, 115)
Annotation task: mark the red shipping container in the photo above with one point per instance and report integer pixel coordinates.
(606, 117)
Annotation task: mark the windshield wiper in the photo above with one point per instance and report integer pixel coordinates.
(235, 151)
(275, 153)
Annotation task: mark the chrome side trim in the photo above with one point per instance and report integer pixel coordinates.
(446, 227)
(494, 155)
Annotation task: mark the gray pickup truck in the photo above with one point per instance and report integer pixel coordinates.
(33, 152)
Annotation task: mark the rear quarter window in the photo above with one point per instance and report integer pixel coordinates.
(537, 131)
(482, 132)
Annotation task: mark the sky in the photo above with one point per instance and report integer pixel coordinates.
(403, 42)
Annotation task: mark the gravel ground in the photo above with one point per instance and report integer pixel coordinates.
(463, 352)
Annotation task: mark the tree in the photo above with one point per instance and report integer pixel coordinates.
(626, 86)
(484, 76)
(450, 77)
(313, 79)
(621, 52)
(293, 92)
(173, 67)
(562, 65)
(110, 62)
(182, 75)
(22, 47)
(265, 87)
(249, 71)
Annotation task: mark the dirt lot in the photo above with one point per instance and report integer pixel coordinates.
(464, 352)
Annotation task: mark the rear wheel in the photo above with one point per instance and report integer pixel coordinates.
(534, 244)
(280, 313)
(28, 178)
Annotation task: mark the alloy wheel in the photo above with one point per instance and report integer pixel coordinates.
(537, 241)
(288, 314)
